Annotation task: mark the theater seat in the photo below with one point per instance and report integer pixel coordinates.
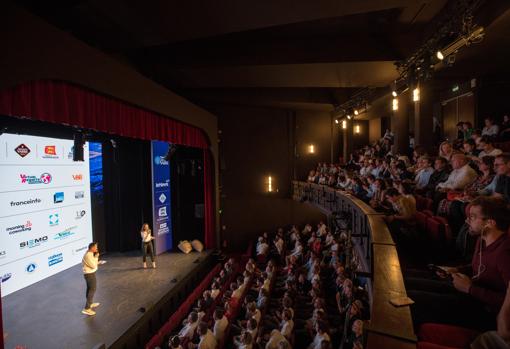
(445, 336)
(421, 221)
(427, 345)
(445, 228)
(155, 341)
(434, 230)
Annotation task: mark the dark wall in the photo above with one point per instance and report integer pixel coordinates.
(315, 128)
(256, 143)
(360, 139)
(493, 99)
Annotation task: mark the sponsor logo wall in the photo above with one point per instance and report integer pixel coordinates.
(45, 209)
(161, 198)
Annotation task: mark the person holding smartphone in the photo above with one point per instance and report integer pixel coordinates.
(147, 247)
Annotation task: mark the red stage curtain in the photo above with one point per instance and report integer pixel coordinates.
(209, 225)
(64, 103)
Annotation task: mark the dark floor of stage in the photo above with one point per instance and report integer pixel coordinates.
(48, 313)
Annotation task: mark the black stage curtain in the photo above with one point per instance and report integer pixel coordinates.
(187, 173)
(127, 188)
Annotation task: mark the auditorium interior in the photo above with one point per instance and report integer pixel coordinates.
(318, 174)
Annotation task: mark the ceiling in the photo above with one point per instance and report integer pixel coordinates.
(310, 55)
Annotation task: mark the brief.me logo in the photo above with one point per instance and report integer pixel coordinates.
(77, 177)
(58, 197)
(65, 233)
(31, 267)
(163, 184)
(19, 228)
(50, 152)
(53, 218)
(45, 178)
(22, 150)
(26, 202)
(33, 242)
(160, 160)
(6, 277)
(80, 214)
(79, 194)
(55, 259)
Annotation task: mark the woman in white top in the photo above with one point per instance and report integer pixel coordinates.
(147, 246)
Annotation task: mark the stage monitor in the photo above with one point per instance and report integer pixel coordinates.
(45, 215)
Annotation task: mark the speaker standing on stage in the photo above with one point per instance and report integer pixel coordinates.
(147, 245)
(89, 264)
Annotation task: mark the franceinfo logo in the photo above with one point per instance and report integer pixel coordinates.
(26, 202)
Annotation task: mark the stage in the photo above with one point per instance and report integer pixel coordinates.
(134, 301)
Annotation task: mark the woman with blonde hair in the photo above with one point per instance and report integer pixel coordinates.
(147, 246)
(446, 150)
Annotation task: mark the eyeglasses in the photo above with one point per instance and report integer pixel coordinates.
(472, 217)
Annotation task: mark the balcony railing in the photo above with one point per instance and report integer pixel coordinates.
(389, 327)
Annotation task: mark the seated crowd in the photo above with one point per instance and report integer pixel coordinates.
(465, 187)
(301, 291)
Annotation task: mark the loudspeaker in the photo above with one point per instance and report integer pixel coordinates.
(79, 141)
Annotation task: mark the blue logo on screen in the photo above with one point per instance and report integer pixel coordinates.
(6, 277)
(65, 234)
(31, 268)
(53, 219)
(160, 160)
(58, 197)
(55, 259)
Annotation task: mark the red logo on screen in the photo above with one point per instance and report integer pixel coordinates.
(22, 150)
(77, 177)
(50, 150)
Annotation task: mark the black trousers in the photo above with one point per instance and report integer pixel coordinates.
(148, 248)
(90, 279)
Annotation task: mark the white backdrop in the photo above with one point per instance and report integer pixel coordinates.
(45, 209)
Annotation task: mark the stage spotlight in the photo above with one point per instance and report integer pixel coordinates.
(439, 55)
(344, 124)
(349, 117)
(394, 93)
(356, 112)
(336, 121)
(79, 141)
